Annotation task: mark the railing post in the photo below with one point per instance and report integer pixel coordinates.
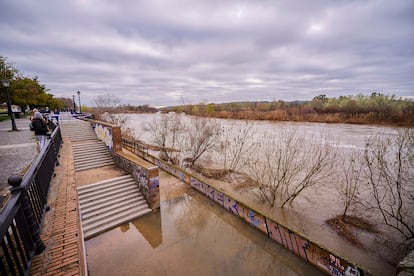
(116, 139)
(34, 227)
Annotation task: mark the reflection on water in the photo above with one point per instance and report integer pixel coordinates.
(190, 235)
(150, 228)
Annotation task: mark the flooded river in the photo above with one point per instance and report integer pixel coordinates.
(344, 135)
(322, 200)
(309, 212)
(189, 235)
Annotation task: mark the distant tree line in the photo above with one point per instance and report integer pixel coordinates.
(374, 108)
(111, 104)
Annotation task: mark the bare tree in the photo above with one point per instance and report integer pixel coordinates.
(389, 164)
(350, 182)
(184, 139)
(202, 136)
(166, 130)
(288, 164)
(237, 144)
(107, 101)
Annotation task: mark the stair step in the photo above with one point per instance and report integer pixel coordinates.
(108, 195)
(129, 199)
(103, 183)
(104, 152)
(92, 232)
(104, 221)
(92, 159)
(93, 166)
(108, 188)
(91, 162)
(87, 145)
(107, 213)
(89, 150)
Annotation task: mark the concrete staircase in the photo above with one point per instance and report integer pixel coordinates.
(105, 204)
(77, 130)
(90, 155)
(88, 151)
(110, 203)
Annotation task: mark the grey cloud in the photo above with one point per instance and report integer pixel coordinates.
(157, 52)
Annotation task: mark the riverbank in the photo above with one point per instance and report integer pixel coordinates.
(329, 118)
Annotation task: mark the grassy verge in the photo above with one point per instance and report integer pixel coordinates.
(3, 117)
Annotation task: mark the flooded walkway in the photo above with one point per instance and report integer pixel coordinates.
(189, 235)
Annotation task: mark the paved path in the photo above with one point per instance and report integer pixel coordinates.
(61, 231)
(18, 149)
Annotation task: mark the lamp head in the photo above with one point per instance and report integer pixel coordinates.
(5, 83)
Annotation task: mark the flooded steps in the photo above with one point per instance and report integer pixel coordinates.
(109, 203)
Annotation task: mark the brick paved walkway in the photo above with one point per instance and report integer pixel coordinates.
(61, 232)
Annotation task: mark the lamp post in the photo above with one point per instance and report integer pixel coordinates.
(80, 109)
(5, 83)
(74, 105)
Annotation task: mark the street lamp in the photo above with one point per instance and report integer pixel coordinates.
(80, 109)
(74, 105)
(5, 83)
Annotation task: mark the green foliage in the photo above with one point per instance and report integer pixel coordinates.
(4, 117)
(377, 106)
(7, 69)
(26, 91)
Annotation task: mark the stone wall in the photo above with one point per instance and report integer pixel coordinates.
(145, 176)
(109, 134)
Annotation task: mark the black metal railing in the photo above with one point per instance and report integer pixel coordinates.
(21, 217)
(134, 146)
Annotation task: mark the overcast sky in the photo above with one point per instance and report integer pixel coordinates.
(161, 52)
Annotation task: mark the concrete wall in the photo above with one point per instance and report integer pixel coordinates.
(145, 176)
(109, 134)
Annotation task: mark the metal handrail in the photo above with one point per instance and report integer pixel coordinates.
(21, 218)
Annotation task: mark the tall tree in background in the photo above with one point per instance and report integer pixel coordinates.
(29, 92)
(26, 91)
(7, 71)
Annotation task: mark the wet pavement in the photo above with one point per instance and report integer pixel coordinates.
(18, 149)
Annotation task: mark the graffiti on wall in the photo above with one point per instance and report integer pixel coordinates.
(288, 239)
(104, 134)
(148, 186)
(154, 184)
(232, 206)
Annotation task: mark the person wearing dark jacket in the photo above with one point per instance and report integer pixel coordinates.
(40, 128)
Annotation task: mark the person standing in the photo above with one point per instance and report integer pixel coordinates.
(40, 128)
(32, 113)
